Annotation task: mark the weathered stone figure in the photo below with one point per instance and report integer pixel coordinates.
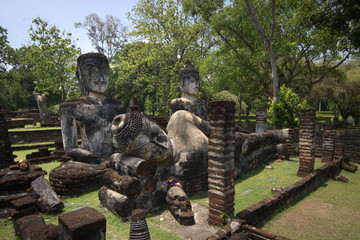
(148, 157)
(91, 116)
(182, 151)
(41, 102)
(189, 86)
(136, 135)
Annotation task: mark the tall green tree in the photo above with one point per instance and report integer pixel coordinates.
(52, 58)
(5, 50)
(14, 78)
(340, 18)
(106, 36)
(15, 81)
(303, 54)
(343, 89)
(171, 36)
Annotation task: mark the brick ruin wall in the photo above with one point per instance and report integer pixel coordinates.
(18, 137)
(257, 214)
(349, 141)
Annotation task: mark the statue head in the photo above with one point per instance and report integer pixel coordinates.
(92, 72)
(135, 134)
(189, 79)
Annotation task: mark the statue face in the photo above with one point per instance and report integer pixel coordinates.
(150, 143)
(95, 79)
(190, 83)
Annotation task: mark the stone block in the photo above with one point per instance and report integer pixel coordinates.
(129, 186)
(25, 225)
(117, 203)
(23, 203)
(74, 178)
(85, 223)
(47, 200)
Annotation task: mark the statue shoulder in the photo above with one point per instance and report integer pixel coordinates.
(182, 104)
(74, 102)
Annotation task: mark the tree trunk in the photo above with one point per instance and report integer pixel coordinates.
(240, 109)
(273, 70)
(336, 114)
(267, 43)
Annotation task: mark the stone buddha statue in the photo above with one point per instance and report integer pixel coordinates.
(136, 135)
(90, 116)
(181, 152)
(189, 86)
(178, 157)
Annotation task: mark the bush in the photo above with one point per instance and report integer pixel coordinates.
(285, 110)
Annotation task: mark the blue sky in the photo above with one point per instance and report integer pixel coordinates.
(16, 16)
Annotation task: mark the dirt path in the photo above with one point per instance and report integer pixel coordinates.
(199, 231)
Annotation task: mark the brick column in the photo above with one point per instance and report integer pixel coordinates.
(306, 142)
(221, 166)
(290, 141)
(261, 120)
(328, 144)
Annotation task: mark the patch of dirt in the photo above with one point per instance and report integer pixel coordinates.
(200, 231)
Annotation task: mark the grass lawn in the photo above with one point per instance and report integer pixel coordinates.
(331, 212)
(32, 128)
(256, 186)
(249, 190)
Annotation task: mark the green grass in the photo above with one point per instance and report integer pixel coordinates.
(21, 154)
(254, 187)
(115, 229)
(7, 231)
(250, 189)
(331, 212)
(30, 144)
(33, 128)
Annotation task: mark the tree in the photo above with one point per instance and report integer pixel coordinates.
(344, 90)
(106, 36)
(13, 82)
(170, 37)
(341, 18)
(267, 39)
(52, 58)
(302, 54)
(5, 50)
(14, 79)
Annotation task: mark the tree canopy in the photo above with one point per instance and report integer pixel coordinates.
(169, 36)
(52, 58)
(106, 36)
(248, 48)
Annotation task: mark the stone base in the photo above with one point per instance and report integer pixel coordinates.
(85, 223)
(13, 179)
(75, 178)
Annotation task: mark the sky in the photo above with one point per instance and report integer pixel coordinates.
(16, 16)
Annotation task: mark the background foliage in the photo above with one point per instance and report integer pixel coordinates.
(228, 41)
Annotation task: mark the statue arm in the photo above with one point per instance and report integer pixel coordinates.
(203, 125)
(70, 138)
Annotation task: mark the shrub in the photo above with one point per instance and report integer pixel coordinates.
(285, 110)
